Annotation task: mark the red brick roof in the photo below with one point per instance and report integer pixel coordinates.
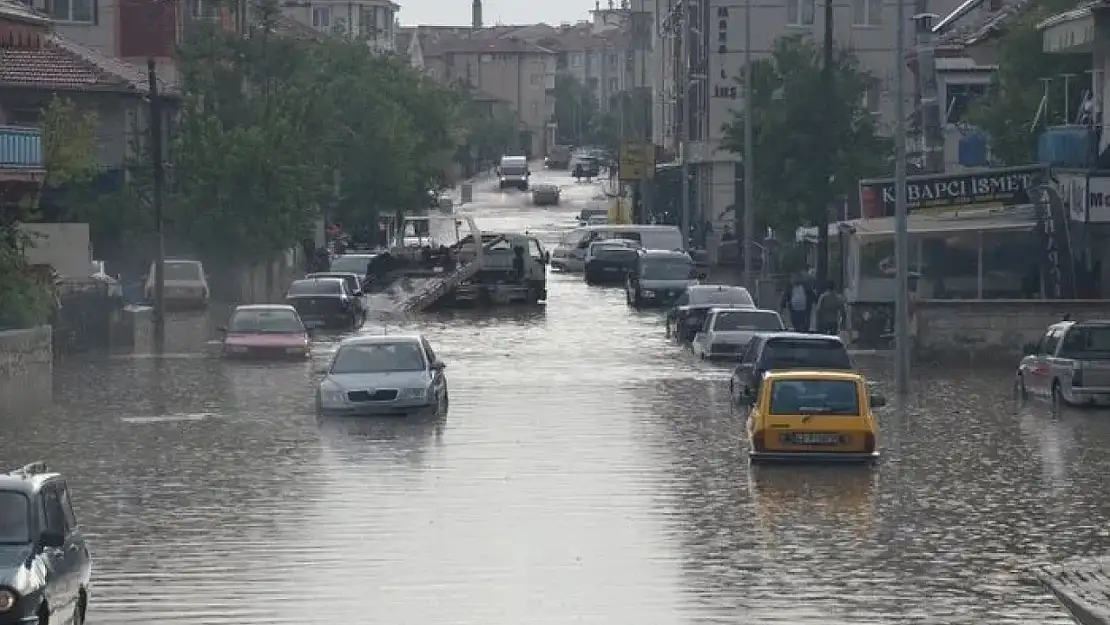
(61, 64)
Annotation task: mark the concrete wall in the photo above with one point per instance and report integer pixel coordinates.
(26, 370)
(991, 330)
(65, 247)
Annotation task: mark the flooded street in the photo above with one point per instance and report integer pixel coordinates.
(589, 472)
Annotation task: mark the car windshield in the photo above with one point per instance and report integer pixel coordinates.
(265, 321)
(353, 264)
(352, 281)
(316, 287)
(809, 353)
(15, 522)
(513, 170)
(720, 297)
(667, 269)
(182, 271)
(378, 358)
(814, 397)
(1086, 343)
(614, 253)
(747, 320)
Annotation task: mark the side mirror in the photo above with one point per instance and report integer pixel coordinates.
(51, 539)
(877, 400)
(701, 276)
(222, 329)
(358, 293)
(1029, 349)
(439, 365)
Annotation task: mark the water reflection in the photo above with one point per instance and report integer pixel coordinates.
(362, 440)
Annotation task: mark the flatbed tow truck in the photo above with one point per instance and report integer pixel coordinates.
(432, 262)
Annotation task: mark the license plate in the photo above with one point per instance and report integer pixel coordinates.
(809, 438)
(609, 269)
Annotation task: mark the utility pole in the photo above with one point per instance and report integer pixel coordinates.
(684, 122)
(749, 163)
(827, 155)
(157, 165)
(901, 235)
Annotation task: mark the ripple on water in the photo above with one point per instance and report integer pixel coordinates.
(589, 472)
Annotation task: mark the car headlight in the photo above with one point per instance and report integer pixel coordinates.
(7, 600)
(331, 395)
(648, 293)
(413, 393)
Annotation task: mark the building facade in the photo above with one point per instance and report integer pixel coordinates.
(374, 21)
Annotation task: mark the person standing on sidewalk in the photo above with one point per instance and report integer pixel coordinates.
(799, 300)
(831, 310)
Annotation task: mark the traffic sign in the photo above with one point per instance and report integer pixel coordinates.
(637, 160)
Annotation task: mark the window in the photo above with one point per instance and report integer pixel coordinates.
(959, 99)
(722, 12)
(428, 352)
(872, 96)
(1086, 343)
(67, 508)
(485, 58)
(534, 249)
(73, 10)
(54, 514)
(867, 12)
(15, 518)
(535, 80)
(799, 12)
(576, 59)
(368, 21)
(611, 59)
(1049, 342)
(321, 17)
(614, 85)
(814, 397)
(181, 271)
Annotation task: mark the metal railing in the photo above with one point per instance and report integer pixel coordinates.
(21, 148)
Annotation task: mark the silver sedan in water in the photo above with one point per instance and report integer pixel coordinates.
(384, 375)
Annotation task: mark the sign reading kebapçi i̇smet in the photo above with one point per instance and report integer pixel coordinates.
(981, 186)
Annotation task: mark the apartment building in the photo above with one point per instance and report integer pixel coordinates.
(374, 21)
(514, 71)
(702, 75)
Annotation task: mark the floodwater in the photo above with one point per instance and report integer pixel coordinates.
(589, 472)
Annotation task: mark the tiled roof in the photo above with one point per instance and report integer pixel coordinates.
(289, 27)
(480, 45)
(983, 29)
(17, 11)
(64, 65)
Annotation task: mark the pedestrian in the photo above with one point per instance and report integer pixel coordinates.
(799, 300)
(831, 310)
(518, 263)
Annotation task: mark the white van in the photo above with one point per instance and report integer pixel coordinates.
(570, 255)
(513, 172)
(185, 280)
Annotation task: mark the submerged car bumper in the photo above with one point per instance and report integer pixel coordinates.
(265, 353)
(377, 409)
(812, 456)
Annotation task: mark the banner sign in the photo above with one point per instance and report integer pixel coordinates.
(1002, 185)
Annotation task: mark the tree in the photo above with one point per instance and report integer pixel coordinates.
(576, 111)
(1007, 112)
(789, 116)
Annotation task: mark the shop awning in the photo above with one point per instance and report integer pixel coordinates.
(1008, 221)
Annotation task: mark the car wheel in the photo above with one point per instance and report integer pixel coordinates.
(1019, 389)
(446, 403)
(79, 613)
(1058, 399)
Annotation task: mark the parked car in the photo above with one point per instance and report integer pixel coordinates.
(1070, 364)
(814, 416)
(354, 282)
(589, 216)
(609, 261)
(659, 277)
(324, 302)
(351, 263)
(46, 569)
(546, 194)
(185, 283)
(727, 331)
(688, 314)
(265, 331)
(784, 351)
(394, 374)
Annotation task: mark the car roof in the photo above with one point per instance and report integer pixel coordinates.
(802, 336)
(724, 309)
(28, 479)
(265, 307)
(357, 255)
(815, 374)
(328, 274)
(182, 261)
(380, 339)
(665, 254)
(714, 287)
(320, 279)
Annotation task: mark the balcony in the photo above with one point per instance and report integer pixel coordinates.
(21, 155)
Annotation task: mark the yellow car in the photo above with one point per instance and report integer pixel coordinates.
(813, 415)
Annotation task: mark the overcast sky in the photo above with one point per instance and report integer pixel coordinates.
(457, 12)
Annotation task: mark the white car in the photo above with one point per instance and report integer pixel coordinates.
(185, 282)
(726, 332)
(392, 374)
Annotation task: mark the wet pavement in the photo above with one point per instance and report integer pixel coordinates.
(589, 472)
